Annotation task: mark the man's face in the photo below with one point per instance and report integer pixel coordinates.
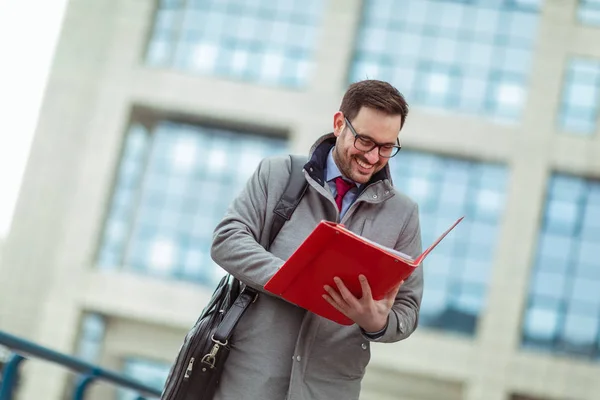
(380, 127)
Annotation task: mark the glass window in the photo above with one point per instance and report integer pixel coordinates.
(478, 54)
(458, 271)
(588, 12)
(263, 41)
(173, 186)
(148, 372)
(579, 102)
(563, 309)
(91, 337)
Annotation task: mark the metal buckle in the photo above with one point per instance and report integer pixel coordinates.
(209, 358)
(217, 342)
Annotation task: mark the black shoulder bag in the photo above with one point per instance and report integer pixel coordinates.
(196, 372)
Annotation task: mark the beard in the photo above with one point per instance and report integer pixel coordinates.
(349, 168)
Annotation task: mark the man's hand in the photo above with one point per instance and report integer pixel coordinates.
(369, 314)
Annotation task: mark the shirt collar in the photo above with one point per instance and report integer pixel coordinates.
(332, 171)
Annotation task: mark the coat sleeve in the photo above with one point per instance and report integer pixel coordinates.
(236, 240)
(404, 316)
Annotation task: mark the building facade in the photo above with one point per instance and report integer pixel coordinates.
(156, 113)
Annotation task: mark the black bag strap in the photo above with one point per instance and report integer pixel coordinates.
(285, 207)
(291, 196)
(233, 315)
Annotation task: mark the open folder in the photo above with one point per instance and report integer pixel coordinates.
(332, 250)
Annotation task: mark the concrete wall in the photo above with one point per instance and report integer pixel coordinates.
(48, 278)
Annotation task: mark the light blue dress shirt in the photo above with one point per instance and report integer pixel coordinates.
(331, 172)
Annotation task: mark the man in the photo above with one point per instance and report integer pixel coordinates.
(281, 351)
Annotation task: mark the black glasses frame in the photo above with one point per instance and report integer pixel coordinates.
(363, 139)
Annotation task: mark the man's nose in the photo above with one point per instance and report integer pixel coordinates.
(372, 156)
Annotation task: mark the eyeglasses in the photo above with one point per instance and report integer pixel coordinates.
(366, 144)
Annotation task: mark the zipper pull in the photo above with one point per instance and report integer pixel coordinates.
(188, 371)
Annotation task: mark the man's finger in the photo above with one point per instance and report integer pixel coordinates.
(346, 295)
(366, 288)
(334, 304)
(335, 296)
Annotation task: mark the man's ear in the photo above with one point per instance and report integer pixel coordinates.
(338, 123)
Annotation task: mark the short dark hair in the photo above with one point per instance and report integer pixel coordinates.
(375, 94)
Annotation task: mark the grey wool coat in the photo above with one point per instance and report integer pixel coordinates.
(283, 352)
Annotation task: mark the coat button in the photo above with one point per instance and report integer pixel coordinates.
(364, 346)
(298, 358)
(374, 196)
(387, 192)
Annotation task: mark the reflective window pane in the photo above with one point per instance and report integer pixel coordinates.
(588, 12)
(563, 312)
(478, 59)
(580, 97)
(149, 372)
(173, 186)
(458, 271)
(91, 337)
(263, 41)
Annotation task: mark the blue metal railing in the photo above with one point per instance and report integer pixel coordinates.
(22, 349)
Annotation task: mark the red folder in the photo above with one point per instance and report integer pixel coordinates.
(332, 250)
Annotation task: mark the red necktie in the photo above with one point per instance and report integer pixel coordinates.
(342, 186)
